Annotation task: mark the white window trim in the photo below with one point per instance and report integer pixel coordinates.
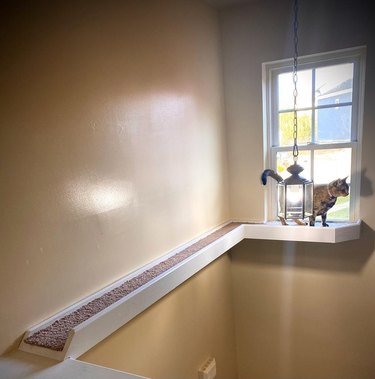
(269, 69)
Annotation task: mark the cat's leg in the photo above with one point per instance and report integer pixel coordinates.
(324, 218)
(282, 220)
(312, 220)
(299, 222)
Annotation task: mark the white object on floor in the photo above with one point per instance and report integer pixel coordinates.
(20, 365)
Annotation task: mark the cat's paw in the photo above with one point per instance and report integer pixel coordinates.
(325, 225)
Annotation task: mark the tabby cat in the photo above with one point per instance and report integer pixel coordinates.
(325, 196)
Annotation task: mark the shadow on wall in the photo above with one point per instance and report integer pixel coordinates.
(366, 185)
(350, 256)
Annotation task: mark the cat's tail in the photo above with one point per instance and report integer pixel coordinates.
(272, 174)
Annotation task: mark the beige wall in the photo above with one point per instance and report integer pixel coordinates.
(301, 310)
(175, 336)
(112, 148)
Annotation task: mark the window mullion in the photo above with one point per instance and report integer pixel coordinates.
(355, 97)
(346, 104)
(312, 112)
(274, 110)
(312, 146)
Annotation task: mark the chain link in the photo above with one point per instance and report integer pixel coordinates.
(295, 80)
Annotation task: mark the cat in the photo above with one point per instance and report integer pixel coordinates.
(325, 196)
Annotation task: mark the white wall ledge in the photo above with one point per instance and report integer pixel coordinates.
(89, 333)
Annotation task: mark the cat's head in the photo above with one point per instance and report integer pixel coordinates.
(339, 187)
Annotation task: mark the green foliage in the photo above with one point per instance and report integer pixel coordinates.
(286, 128)
(340, 210)
(281, 168)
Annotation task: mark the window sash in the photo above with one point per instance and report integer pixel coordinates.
(271, 70)
(275, 72)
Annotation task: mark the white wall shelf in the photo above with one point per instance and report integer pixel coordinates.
(101, 325)
(336, 232)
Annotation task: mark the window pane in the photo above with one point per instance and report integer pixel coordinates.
(340, 210)
(286, 88)
(333, 124)
(331, 164)
(286, 128)
(284, 159)
(334, 84)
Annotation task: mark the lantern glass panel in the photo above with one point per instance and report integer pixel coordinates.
(294, 201)
(281, 200)
(309, 196)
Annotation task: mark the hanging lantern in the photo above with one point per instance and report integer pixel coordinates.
(295, 194)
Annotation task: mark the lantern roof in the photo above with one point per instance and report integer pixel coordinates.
(295, 178)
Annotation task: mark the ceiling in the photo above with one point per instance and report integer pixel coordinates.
(223, 3)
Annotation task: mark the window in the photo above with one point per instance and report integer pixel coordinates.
(329, 111)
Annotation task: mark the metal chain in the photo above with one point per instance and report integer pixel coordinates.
(295, 80)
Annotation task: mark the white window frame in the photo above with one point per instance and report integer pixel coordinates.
(270, 71)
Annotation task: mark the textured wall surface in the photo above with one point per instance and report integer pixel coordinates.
(112, 147)
(301, 310)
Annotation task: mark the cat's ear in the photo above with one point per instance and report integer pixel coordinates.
(344, 180)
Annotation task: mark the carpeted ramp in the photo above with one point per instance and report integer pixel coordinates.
(55, 335)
